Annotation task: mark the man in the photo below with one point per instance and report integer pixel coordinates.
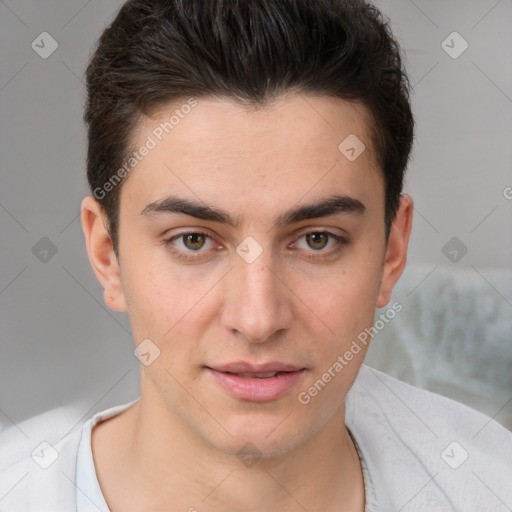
(246, 162)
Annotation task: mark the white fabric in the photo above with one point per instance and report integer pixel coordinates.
(370, 498)
(88, 491)
(412, 442)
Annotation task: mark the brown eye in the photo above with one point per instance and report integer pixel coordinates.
(317, 240)
(318, 245)
(192, 246)
(194, 241)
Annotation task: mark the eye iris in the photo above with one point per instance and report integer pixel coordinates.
(194, 241)
(317, 240)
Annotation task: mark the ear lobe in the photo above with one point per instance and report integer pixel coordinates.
(396, 252)
(101, 254)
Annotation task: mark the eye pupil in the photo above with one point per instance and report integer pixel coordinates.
(317, 240)
(196, 241)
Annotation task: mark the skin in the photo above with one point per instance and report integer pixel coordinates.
(254, 164)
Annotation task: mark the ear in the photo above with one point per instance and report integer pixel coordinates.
(396, 252)
(101, 254)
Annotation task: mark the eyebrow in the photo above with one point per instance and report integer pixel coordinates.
(332, 205)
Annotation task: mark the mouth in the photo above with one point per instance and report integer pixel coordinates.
(256, 375)
(256, 384)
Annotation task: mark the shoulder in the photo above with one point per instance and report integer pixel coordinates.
(406, 405)
(38, 459)
(37, 462)
(421, 444)
(19, 440)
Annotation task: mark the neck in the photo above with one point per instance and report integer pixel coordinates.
(173, 469)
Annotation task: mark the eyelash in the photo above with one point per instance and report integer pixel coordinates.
(191, 255)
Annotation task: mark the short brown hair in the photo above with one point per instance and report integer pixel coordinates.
(251, 51)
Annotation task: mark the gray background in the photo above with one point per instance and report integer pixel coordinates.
(60, 344)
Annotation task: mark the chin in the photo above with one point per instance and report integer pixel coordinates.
(253, 449)
(261, 438)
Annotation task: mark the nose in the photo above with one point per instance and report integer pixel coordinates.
(258, 302)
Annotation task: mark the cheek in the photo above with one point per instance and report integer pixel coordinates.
(166, 304)
(348, 309)
(346, 301)
(347, 306)
(152, 296)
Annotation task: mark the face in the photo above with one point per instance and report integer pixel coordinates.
(251, 244)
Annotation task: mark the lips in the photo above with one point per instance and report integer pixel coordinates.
(256, 375)
(243, 368)
(256, 383)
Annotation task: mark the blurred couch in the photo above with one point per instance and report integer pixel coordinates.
(453, 336)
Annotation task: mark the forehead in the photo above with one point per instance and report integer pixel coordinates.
(223, 121)
(296, 145)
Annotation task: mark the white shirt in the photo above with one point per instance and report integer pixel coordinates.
(88, 489)
(423, 452)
